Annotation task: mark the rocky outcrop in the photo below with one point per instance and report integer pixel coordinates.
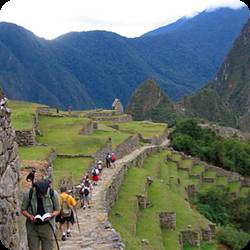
(11, 230)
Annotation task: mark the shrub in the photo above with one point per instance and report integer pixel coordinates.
(233, 238)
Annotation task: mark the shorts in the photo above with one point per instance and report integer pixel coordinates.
(95, 178)
(62, 220)
(85, 198)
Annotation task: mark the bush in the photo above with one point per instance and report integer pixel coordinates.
(233, 238)
(228, 153)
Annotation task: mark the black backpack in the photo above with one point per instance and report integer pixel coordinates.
(42, 187)
(94, 172)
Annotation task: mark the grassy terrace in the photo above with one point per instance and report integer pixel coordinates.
(22, 114)
(147, 129)
(63, 134)
(135, 225)
(34, 153)
(75, 167)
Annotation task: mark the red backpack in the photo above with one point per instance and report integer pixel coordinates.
(113, 158)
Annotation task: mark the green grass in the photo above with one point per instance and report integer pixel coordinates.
(176, 157)
(210, 174)
(147, 129)
(63, 135)
(22, 114)
(123, 214)
(34, 153)
(221, 180)
(75, 167)
(198, 169)
(163, 196)
(204, 246)
(244, 191)
(186, 163)
(234, 186)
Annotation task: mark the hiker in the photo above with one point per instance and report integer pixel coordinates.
(67, 203)
(100, 168)
(113, 159)
(108, 160)
(31, 176)
(95, 175)
(42, 202)
(85, 192)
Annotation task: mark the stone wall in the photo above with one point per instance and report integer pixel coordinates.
(128, 146)
(26, 137)
(88, 129)
(12, 231)
(116, 182)
(101, 153)
(231, 176)
(121, 118)
(190, 237)
(157, 140)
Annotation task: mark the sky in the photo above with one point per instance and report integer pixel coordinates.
(130, 18)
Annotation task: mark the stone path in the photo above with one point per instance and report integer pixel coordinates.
(96, 231)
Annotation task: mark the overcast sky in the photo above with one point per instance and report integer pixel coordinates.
(130, 18)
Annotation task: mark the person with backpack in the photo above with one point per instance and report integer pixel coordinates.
(95, 175)
(100, 168)
(86, 189)
(108, 160)
(67, 203)
(113, 159)
(40, 205)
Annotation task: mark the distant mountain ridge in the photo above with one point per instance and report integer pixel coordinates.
(90, 69)
(227, 98)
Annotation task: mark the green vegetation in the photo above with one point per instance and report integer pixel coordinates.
(34, 153)
(22, 114)
(163, 195)
(147, 129)
(235, 239)
(75, 167)
(233, 214)
(229, 153)
(63, 134)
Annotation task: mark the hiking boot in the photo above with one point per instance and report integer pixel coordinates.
(64, 237)
(69, 234)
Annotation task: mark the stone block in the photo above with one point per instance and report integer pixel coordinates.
(190, 237)
(168, 220)
(142, 201)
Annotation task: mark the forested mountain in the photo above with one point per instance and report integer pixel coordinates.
(88, 69)
(148, 102)
(227, 98)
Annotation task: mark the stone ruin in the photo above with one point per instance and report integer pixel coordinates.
(11, 229)
(168, 220)
(117, 106)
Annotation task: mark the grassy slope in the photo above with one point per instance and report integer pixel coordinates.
(164, 196)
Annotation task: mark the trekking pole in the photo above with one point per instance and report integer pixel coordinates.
(77, 221)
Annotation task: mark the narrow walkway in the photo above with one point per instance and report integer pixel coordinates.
(96, 232)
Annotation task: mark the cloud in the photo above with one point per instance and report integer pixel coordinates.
(51, 18)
